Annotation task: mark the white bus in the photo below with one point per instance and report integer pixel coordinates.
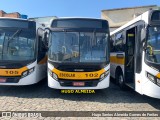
(78, 55)
(135, 54)
(22, 55)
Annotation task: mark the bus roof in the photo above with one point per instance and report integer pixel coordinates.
(80, 18)
(6, 22)
(9, 18)
(79, 23)
(140, 17)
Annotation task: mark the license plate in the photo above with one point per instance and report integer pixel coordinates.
(2, 80)
(78, 83)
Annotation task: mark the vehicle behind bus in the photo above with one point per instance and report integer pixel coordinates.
(20, 63)
(78, 53)
(135, 54)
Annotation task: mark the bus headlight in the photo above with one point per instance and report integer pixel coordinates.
(28, 72)
(151, 77)
(52, 74)
(55, 76)
(104, 75)
(158, 82)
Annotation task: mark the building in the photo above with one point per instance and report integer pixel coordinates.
(120, 16)
(13, 15)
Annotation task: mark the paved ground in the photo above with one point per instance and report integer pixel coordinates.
(41, 98)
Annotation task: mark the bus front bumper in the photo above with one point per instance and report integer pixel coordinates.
(52, 83)
(151, 89)
(28, 80)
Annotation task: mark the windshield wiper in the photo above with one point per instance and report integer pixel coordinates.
(16, 33)
(11, 38)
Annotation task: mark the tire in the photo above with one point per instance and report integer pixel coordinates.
(120, 81)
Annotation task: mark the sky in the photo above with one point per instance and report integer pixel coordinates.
(69, 8)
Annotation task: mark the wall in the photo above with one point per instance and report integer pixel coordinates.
(119, 17)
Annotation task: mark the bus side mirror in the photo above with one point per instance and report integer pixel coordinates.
(46, 38)
(143, 34)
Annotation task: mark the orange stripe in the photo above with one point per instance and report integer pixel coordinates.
(78, 75)
(44, 60)
(117, 60)
(12, 72)
(158, 75)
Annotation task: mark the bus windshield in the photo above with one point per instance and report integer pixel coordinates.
(78, 47)
(17, 44)
(153, 45)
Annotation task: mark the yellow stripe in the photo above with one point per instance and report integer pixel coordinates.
(158, 75)
(78, 75)
(12, 72)
(117, 60)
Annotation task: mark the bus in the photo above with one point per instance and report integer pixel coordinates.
(135, 54)
(22, 55)
(78, 53)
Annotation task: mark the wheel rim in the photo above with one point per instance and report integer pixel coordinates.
(120, 79)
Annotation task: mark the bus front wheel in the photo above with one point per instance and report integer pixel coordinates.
(120, 81)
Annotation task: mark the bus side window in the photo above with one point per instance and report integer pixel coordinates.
(41, 45)
(112, 43)
(119, 42)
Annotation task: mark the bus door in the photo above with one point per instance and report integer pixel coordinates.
(130, 57)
